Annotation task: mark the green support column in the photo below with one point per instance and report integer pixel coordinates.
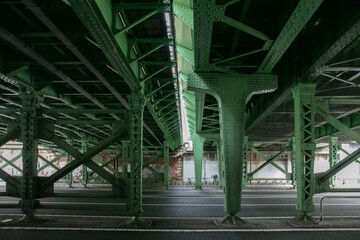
(136, 155)
(198, 145)
(232, 91)
(220, 166)
(304, 107)
(29, 129)
(293, 161)
(166, 165)
(125, 157)
(69, 176)
(245, 175)
(333, 156)
(84, 174)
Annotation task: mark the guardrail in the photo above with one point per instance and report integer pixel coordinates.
(323, 198)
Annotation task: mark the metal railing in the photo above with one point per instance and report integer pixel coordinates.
(323, 198)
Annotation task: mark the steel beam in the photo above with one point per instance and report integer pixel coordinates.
(100, 30)
(232, 91)
(304, 105)
(57, 158)
(338, 167)
(166, 165)
(297, 21)
(333, 156)
(198, 145)
(137, 103)
(268, 161)
(79, 158)
(29, 132)
(84, 169)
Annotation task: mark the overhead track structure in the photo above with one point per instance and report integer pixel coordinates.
(290, 41)
(86, 75)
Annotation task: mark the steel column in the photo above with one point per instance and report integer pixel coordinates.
(333, 156)
(232, 93)
(220, 165)
(136, 156)
(29, 129)
(245, 174)
(198, 143)
(166, 165)
(125, 157)
(304, 106)
(69, 176)
(84, 173)
(293, 161)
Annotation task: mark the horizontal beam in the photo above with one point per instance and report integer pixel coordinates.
(83, 122)
(83, 111)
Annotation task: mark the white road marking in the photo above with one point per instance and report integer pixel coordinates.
(165, 218)
(186, 205)
(186, 230)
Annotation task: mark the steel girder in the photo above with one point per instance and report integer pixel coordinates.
(101, 26)
(326, 51)
(296, 23)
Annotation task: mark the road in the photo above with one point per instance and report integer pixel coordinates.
(181, 203)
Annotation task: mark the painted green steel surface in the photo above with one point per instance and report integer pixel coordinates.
(232, 103)
(166, 165)
(304, 105)
(333, 155)
(136, 156)
(198, 145)
(107, 75)
(29, 131)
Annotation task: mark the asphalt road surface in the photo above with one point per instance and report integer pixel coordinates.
(181, 203)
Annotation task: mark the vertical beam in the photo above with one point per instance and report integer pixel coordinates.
(84, 172)
(232, 93)
(293, 161)
(198, 143)
(166, 165)
(333, 156)
(304, 106)
(125, 157)
(29, 130)
(244, 174)
(136, 157)
(220, 165)
(69, 176)
(199, 107)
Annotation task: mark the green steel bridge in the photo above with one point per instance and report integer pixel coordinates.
(80, 77)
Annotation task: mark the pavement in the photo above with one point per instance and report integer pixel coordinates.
(183, 213)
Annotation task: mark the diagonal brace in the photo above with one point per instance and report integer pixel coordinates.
(267, 161)
(79, 157)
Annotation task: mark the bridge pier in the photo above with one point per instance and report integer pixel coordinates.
(232, 92)
(198, 142)
(137, 103)
(29, 132)
(304, 107)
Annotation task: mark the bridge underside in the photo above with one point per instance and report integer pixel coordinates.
(131, 78)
